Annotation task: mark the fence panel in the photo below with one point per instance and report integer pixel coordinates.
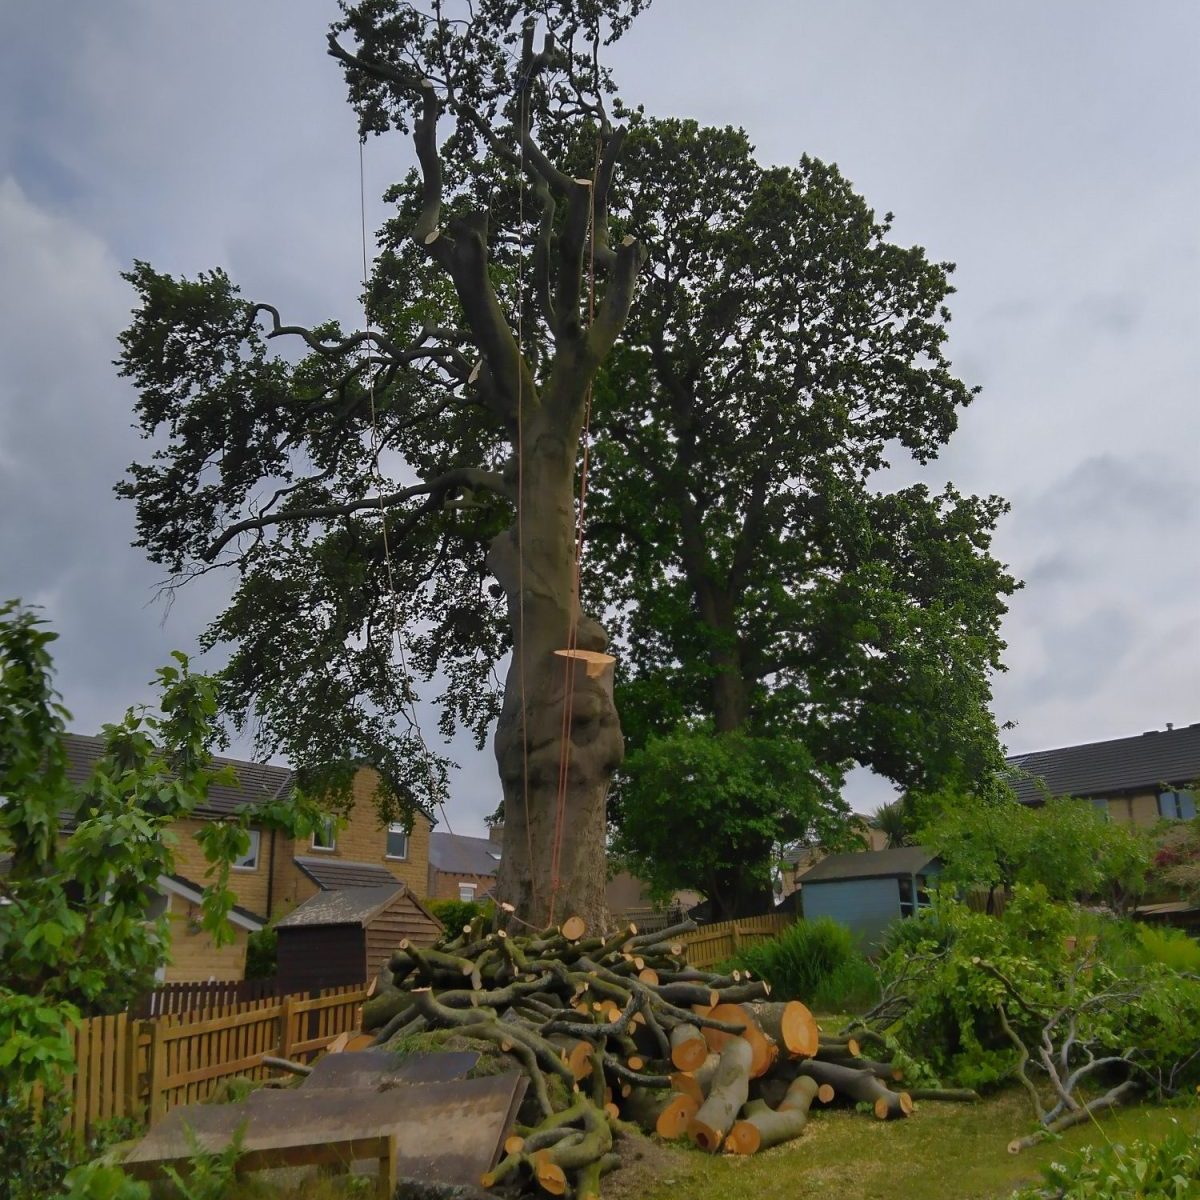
(126, 1067)
(712, 944)
(203, 994)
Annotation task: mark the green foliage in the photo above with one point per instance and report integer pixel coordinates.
(454, 914)
(1065, 846)
(1171, 947)
(35, 1149)
(75, 936)
(952, 1021)
(703, 810)
(262, 954)
(102, 1181)
(210, 1174)
(817, 962)
(1168, 1167)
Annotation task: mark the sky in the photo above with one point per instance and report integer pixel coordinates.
(1049, 150)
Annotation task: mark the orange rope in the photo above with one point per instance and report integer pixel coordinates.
(564, 761)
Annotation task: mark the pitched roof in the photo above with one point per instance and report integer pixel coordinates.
(350, 906)
(870, 864)
(256, 782)
(337, 874)
(1161, 756)
(193, 892)
(460, 855)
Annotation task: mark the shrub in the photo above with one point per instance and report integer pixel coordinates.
(262, 954)
(818, 962)
(454, 914)
(1169, 947)
(1167, 1168)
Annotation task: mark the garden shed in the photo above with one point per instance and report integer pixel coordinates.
(867, 891)
(344, 937)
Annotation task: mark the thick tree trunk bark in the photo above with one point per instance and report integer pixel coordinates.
(541, 687)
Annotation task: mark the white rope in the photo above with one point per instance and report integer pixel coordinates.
(397, 624)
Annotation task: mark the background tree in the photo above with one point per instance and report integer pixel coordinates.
(781, 353)
(471, 384)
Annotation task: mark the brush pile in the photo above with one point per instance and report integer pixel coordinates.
(619, 1029)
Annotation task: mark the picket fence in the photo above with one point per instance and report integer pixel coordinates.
(711, 944)
(129, 1067)
(209, 994)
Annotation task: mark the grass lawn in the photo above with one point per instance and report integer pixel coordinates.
(943, 1152)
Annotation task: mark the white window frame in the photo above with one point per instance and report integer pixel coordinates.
(331, 826)
(466, 892)
(249, 861)
(400, 828)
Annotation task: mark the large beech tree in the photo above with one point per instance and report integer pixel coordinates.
(762, 575)
(375, 481)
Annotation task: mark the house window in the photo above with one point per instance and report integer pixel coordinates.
(397, 840)
(324, 836)
(912, 902)
(466, 891)
(1100, 804)
(249, 860)
(157, 907)
(1176, 806)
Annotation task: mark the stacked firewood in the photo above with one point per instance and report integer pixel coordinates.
(633, 1035)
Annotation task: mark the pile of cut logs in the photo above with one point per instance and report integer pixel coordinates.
(634, 1035)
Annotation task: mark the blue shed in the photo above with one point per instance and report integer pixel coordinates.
(868, 891)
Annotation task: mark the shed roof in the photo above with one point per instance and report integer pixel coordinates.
(1159, 756)
(460, 855)
(350, 906)
(870, 864)
(337, 874)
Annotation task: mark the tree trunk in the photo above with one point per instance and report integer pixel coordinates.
(537, 572)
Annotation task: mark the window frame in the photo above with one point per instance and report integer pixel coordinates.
(471, 888)
(1176, 798)
(331, 826)
(255, 850)
(400, 828)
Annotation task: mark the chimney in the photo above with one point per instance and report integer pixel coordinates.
(496, 833)
(1170, 726)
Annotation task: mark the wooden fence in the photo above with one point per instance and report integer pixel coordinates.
(128, 1067)
(712, 944)
(212, 993)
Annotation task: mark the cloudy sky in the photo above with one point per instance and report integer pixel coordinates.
(1050, 150)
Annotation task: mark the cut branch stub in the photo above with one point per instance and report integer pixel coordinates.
(689, 1048)
(675, 1119)
(791, 1024)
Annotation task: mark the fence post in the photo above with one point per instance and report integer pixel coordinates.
(156, 1072)
(737, 938)
(133, 1035)
(285, 1029)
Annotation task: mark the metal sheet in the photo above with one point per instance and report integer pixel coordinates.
(451, 1131)
(376, 1068)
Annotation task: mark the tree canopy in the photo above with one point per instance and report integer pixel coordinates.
(762, 577)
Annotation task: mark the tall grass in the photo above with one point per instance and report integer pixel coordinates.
(817, 962)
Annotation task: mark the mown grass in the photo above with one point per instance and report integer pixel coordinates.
(944, 1152)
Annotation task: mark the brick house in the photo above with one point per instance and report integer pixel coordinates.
(278, 872)
(464, 868)
(1133, 780)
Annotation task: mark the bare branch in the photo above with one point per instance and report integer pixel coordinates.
(437, 489)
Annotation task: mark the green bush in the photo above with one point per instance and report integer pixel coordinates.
(262, 954)
(454, 914)
(818, 962)
(1166, 1168)
(1170, 947)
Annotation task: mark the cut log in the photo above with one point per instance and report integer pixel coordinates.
(676, 1118)
(765, 1049)
(791, 1024)
(726, 1096)
(687, 1085)
(573, 928)
(763, 1128)
(689, 1048)
(860, 1086)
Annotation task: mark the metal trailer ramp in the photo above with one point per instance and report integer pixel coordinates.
(447, 1132)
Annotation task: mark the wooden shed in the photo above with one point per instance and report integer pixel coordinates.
(867, 891)
(344, 937)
